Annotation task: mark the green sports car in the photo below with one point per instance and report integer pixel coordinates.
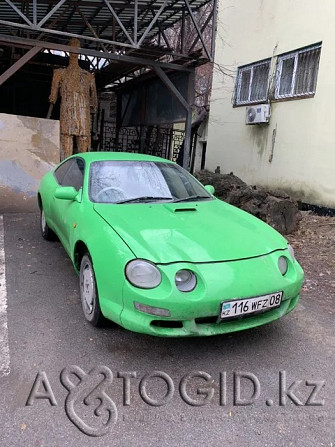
(157, 253)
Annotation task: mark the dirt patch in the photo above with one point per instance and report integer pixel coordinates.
(314, 245)
(274, 207)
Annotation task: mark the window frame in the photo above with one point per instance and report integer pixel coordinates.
(240, 71)
(293, 55)
(75, 160)
(70, 162)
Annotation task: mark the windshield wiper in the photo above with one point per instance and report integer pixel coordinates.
(144, 199)
(190, 198)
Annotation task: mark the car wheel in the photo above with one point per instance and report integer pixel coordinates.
(89, 292)
(47, 233)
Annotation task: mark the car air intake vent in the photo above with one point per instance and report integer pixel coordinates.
(167, 323)
(180, 210)
(206, 320)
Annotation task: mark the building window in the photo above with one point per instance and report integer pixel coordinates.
(297, 73)
(252, 83)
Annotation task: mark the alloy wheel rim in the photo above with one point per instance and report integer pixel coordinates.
(43, 222)
(87, 288)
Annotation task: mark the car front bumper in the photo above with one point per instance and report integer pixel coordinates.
(203, 326)
(196, 313)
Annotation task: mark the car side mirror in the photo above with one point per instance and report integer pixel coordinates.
(210, 189)
(66, 193)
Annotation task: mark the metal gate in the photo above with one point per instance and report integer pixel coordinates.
(160, 141)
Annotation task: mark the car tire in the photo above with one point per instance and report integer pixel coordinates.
(89, 292)
(47, 233)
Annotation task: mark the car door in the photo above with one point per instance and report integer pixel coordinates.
(66, 211)
(50, 205)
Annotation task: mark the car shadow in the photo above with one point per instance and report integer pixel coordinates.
(266, 338)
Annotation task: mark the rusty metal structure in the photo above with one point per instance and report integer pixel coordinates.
(121, 40)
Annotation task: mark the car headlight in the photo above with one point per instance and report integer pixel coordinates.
(291, 250)
(282, 265)
(143, 274)
(185, 280)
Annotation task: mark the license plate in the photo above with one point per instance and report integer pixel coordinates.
(258, 304)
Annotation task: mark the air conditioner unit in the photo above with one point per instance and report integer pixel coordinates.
(258, 114)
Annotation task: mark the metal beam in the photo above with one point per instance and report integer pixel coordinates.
(93, 3)
(18, 41)
(173, 89)
(93, 16)
(51, 13)
(63, 33)
(198, 29)
(64, 27)
(34, 11)
(53, 23)
(169, 7)
(19, 12)
(135, 20)
(89, 26)
(127, 32)
(18, 64)
(188, 124)
(147, 31)
(162, 33)
(187, 140)
(109, 6)
(182, 31)
(202, 30)
(112, 22)
(113, 34)
(172, 7)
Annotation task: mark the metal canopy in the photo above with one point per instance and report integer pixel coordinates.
(117, 26)
(120, 39)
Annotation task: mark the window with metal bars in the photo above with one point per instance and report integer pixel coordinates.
(252, 83)
(297, 73)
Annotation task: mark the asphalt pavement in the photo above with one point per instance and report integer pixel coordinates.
(270, 386)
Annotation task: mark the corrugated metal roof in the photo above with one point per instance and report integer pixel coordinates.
(69, 17)
(93, 21)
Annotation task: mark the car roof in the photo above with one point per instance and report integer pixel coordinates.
(124, 156)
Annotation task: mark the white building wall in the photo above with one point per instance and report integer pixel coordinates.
(303, 160)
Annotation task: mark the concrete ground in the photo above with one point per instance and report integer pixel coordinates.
(42, 331)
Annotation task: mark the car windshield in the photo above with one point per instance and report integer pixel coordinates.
(142, 181)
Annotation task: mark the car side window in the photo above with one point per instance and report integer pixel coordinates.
(75, 174)
(62, 170)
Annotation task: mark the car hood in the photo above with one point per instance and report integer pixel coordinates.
(203, 231)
